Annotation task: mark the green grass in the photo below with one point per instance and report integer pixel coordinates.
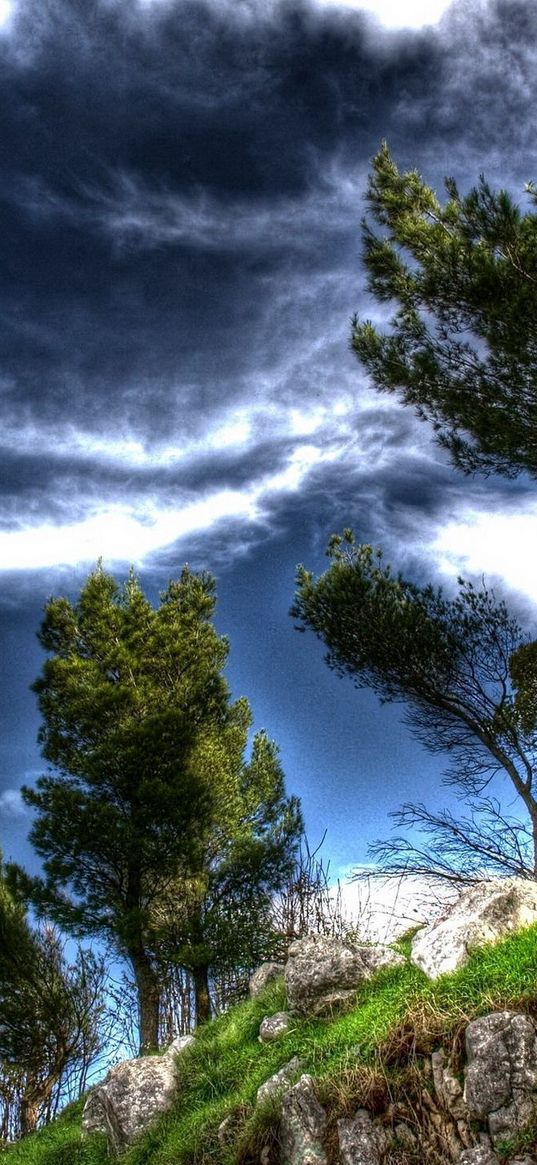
(60, 1143)
(397, 1017)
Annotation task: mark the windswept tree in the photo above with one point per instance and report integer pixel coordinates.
(50, 1016)
(467, 679)
(461, 346)
(146, 750)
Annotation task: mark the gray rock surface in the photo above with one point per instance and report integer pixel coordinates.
(321, 973)
(302, 1126)
(483, 913)
(479, 1155)
(273, 1027)
(132, 1095)
(278, 1084)
(361, 1142)
(130, 1098)
(448, 1088)
(501, 1072)
(264, 974)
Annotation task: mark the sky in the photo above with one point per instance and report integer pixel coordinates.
(182, 188)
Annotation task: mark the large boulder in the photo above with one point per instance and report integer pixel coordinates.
(322, 973)
(483, 913)
(132, 1095)
(501, 1073)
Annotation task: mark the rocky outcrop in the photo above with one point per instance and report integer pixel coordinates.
(361, 1140)
(266, 973)
(279, 1083)
(302, 1126)
(501, 1074)
(131, 1096)
(322, 973)
(458, 1109)
(483, 913)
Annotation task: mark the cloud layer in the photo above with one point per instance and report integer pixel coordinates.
(181, 187)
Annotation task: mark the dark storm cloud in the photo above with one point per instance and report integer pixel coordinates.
(181, 190)
(162, 166)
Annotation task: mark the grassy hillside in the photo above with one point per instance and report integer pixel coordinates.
(369, 1055)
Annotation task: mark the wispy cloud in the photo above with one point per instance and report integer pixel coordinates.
(11, 804)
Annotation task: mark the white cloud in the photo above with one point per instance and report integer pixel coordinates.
(384, 908)
(393, 13)
(132, 533)
(501, 544)
(11, 803)
(6, 11)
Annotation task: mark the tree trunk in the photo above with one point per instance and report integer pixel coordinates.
(148, 989)
(29, 1113)
(200, 976)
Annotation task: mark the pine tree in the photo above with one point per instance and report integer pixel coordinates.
(461, 347)
(466, 677)
(145, 745)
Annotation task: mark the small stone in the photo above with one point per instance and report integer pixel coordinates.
(361, 1141)
(478, 1155)
(273, 1027)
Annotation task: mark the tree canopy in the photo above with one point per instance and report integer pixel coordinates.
(466, 677)
(462, 345)
(149, 793)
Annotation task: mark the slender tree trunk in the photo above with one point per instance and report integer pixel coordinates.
(200, 976)
(148, 989)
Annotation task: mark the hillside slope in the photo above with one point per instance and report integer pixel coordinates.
(376, 1055)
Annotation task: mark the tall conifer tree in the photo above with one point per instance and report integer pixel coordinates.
(147, 755)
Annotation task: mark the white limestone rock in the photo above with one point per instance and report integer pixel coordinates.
(361, 1141)
(501, 1073)
(484, 912)
(479, 1155)
(302, 1126)
(279, 1083)
(130, 1098)
(322, 973)
(273, 1027)
(132, 1095)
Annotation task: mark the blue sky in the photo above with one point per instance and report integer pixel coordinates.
(182, 187)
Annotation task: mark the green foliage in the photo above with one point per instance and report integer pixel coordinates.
(453, 663)
(398, 1016)
(49, 1014)
(154, 830)
(462, 344)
